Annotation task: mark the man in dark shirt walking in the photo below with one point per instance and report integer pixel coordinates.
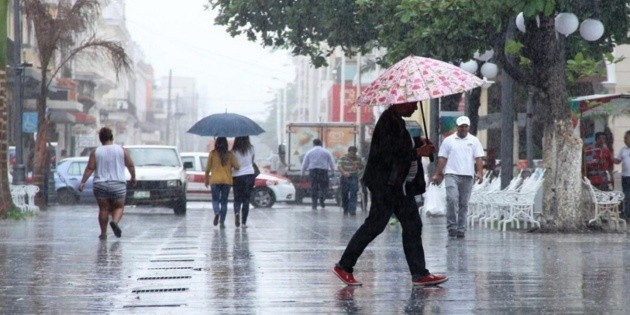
(349, 166)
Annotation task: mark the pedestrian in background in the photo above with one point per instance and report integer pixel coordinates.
(601, 165)
(108, 163)
(393, 183)
(219, 178)
(349, 167)
(460, 161)
(318, 161)
(623, 157)
(243, 179)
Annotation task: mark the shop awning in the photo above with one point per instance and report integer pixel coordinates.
(83, 118)
(598, 104)
(31, 104)
(62, 117)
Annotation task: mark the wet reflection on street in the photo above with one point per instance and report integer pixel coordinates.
(282, 263)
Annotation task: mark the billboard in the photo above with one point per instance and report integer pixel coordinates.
(349, 108)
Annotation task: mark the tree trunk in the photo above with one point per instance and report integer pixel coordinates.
(473, 98)
(41, 160)
(5, 190)
(562, 187)
(6, 202)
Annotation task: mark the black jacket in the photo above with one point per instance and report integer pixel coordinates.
(390, 156)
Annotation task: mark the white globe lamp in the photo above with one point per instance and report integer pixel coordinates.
(591, 29)
(469, 66)
(566, 23)
(489, 70)
(520, 22)
(487, 55)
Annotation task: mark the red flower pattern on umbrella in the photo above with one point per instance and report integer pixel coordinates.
(416, 79)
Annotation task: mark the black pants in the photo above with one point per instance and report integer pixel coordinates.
(319, 186)
(384, 203)
(243, 186)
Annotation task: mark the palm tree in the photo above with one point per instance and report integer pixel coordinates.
(56, 30)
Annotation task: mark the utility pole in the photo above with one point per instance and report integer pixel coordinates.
(18, 168)
(284, 114)
(168, 109)
(278, 117)
(359, 109)
(342, 88)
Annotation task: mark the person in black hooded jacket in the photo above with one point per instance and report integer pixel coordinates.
(394, 176)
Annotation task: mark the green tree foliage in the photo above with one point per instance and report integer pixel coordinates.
(301, 26)
(449, 30)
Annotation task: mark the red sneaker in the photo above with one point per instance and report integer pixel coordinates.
(346, 277)
(430, 279)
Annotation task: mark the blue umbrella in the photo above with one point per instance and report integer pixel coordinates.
(226, 125)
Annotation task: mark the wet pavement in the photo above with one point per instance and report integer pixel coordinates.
(281, 264)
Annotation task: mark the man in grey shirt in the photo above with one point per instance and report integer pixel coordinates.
(318, 161)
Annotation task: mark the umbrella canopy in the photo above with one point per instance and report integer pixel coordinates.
(226, 125)
(416, 79)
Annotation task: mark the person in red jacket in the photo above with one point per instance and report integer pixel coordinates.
(600, 167)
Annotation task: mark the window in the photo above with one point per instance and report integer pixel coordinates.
(77, 168)
(204, 162)
(154, 157)
(191, 160)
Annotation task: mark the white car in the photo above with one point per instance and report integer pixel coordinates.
(160, 176)
(268, 188)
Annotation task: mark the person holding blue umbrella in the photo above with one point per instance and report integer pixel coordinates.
(221, 162)
(244, 179)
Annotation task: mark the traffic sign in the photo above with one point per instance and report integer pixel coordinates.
(29, 122)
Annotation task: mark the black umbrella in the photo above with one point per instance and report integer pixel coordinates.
(226, 125)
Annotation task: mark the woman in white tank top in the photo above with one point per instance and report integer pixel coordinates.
(243, 179)
(108, 163)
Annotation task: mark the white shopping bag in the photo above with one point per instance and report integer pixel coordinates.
(435, 200)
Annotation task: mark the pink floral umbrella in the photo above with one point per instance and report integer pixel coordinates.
(416, 79)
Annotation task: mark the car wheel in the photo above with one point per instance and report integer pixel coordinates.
(180, 205)
(66, 197)
(262, 198)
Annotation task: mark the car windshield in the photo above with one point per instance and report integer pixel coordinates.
(154, 157)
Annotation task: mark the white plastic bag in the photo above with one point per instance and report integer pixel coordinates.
(435, 200)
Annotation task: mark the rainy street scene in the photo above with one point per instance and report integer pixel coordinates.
(314, 157)
(282, 263)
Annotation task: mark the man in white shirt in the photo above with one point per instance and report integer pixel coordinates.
(318, 161)
(459, 164)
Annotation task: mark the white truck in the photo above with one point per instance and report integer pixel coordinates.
(336, 137)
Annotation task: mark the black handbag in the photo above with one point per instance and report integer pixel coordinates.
(256, 170)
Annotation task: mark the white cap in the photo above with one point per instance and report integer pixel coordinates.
(463, 120)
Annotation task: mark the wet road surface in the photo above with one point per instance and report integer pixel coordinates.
(281, 264)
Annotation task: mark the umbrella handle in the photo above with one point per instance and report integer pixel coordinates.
(424, 125)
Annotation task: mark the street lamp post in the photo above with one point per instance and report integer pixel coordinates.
(18, 68)
(19, 169)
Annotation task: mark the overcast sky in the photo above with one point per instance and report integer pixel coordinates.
(232, 73)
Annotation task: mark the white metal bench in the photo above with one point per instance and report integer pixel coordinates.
(24, 197)
(606, 205)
